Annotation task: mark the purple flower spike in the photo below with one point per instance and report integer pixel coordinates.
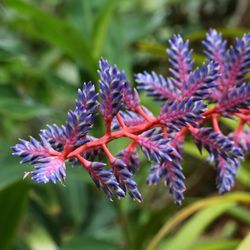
(48, 168)
(238, 62)
(81, 120)
(180, 59)
(32, 151)
(53, 170)
(201, 82)
(192, 99)
(157, 86)
(130, 97)
(215, 48)
(171, 173)
(155, 147)
(180, 114)
(217, 144)
(112, 82)
(243, 140)
(105, 180)
(123, 175)
(234, 100)
(87, 99)
(130, 158)
(55, 135)
(130, 119)
(226, 171)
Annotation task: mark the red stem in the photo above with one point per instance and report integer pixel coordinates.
(140, 111)
(108, 153)
(216, 123)
(120, 120)
(239, 129)
(133, 131)
(108, 127)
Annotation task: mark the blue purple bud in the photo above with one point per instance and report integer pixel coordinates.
(112, 82)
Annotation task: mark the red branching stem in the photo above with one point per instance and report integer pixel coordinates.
(245, 111)
(141, 112)
(207, 114)
(85, 163)
(193, 130)
(111, 158)
(242, 116)
(132, 145)
(164, 131)
(53, 152)
(133, 131)
(108, 127)
(120, 120)
(182, 133)
(239, 129)
(131, 136)
(137, 129)
(215, 120)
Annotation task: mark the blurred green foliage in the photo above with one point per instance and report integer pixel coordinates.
(47, 50)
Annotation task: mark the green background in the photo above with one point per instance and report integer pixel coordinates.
(47, 50)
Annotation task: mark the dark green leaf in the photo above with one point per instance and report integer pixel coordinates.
(88, 243)
(13, 202)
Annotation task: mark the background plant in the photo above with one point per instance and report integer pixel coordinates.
(39, 78)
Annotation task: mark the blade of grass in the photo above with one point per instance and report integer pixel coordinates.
(191, 209)
(245, 244)
(213, 244)
(192, 229)
(101, 27)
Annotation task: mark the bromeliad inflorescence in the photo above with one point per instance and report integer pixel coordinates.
(219, 82)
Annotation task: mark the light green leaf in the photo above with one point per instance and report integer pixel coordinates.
(101, 27)
(213, 244)
(245, 244)
(191, 149)
(240, 213)
(192, 229)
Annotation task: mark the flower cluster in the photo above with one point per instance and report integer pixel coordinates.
(220, 82)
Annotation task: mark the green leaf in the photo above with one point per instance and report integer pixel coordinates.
(245, 244)
(11, 172)
(19, 110)
(42, 25)
(191, 149)
(230, 123)
(101, 27)
(88, 243)
(240, 213)
(213, 244)
(14, 201)
(183, 214)
(244, 175)
(80, 14)
(192, 229)
(73, 200)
